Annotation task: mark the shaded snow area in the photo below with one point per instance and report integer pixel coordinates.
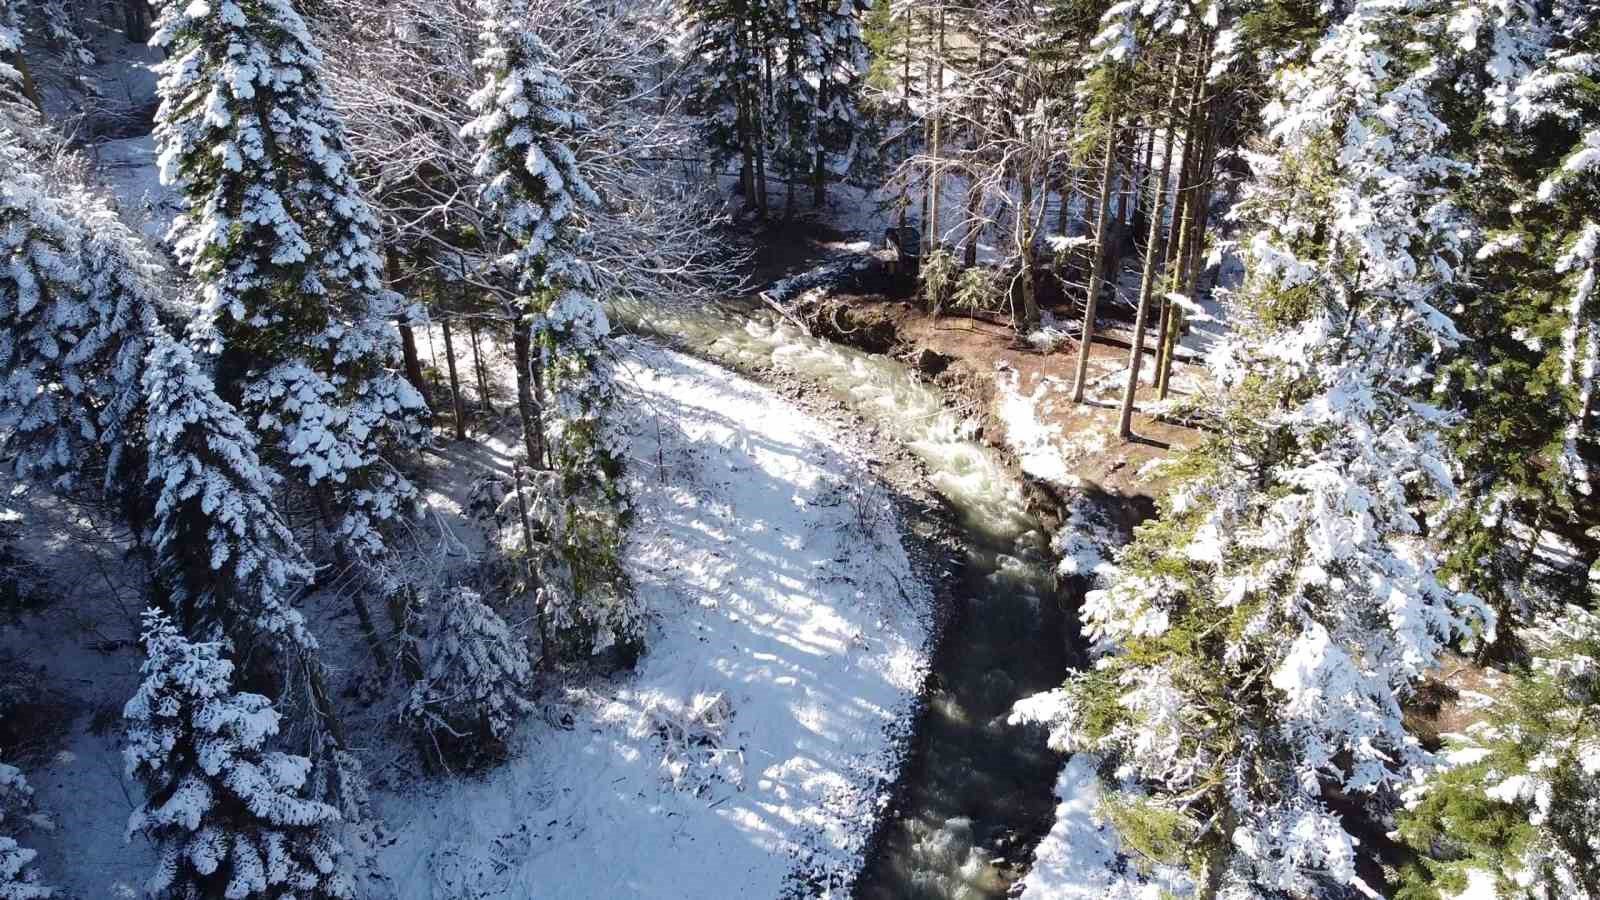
(1080, 858)
(746, 755)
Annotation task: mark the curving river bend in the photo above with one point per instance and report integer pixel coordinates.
(976, 792)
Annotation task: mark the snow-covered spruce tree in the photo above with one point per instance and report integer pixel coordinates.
(534, 188)
(18, 880)
(1528, 109)
(1266, 630)
(841, 62)
(284, 251)
(474, 690)
(19, 99)
(76, 304)
(725, 39)
(229, 818)
(226, 558)
(1518, 802)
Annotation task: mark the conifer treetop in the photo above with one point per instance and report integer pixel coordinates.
(528, 171)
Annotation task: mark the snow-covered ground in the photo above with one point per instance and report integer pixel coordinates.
(790, 638)
(747, 754)
(1080, 858)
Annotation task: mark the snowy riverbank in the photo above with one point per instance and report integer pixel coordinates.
(751, 745)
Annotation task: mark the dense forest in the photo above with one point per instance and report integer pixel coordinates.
(728, 448)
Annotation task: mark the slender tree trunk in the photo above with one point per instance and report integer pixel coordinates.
(485, 401)
(408, 337)
(528, 405)
(1215, 862)
(747, 154)
(1166, 310)
(136, 21)
(369, 626)
(1198, 212)
(1125, 150)
(455, 381)
(1141, 199)
(935, 236)
(1107, 170)
(401, 603)
(547, 656)
(1155, 250)
(413, 362)
(974, 220)
(763, 91)
(1025, 236)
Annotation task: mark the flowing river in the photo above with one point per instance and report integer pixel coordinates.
(977, 792)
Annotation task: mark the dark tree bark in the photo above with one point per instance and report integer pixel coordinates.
(1091, 302)
(455, 382)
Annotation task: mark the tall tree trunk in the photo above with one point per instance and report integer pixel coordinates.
(136, 21)
(1215, 862)
(547, 656)
(1155, 250)
(455, 381)
(408, 337)
(369, 626)
(1141, 199)
(528, 405)
(935, 237)
(485, 401)
(401, 605)
(974, 221)
(1092, 301)
(1124, 188)
(1025, 237)
(1187, 174)
(763, 92)
(1199, 211)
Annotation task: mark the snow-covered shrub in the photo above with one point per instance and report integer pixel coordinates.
(693, 735)
(575, 572)
(229, 818)
(76, 301)
(938, 275)
(18, 880)
(1517, 799)
(475, 686)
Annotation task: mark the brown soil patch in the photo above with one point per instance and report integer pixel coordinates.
(972, 356)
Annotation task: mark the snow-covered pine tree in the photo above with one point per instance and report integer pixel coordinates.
(226, 557)
(18, 98)
(284, 250)
(76, 304)
(1518, 801)
(18, 880)
(1528, 110)
(726, 39)
(534, 188)
(474, 690)
(1265, 632)
(229, 818)
(841, 64)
